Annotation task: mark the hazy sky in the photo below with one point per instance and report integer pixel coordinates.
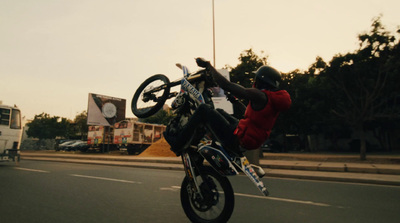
(53, 53)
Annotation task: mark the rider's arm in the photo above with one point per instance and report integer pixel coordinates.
(258, 98)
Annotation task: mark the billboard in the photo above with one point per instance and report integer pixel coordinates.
(105, 110)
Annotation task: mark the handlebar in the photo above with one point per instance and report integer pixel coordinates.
(192, 78)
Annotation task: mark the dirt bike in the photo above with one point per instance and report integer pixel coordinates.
(206, 193)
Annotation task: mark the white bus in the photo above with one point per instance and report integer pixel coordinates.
(10, 133)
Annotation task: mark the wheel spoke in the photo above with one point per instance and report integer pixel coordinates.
(150, 96)
(217, 200)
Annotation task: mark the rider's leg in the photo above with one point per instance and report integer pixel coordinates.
(215, 121)
(232, 120)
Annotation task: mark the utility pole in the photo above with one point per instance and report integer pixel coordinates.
(213, 31)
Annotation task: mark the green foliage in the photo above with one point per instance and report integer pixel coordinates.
(357, 90)
(363, 78)
(161, 117)
(366, 74)
(80, 124)
(243, 73)
(354, 92)
(45, 127)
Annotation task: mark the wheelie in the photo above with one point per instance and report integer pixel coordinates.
(200, 132)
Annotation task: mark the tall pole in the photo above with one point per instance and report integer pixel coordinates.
(213, 30)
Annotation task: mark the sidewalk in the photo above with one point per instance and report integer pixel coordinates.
(300, 166)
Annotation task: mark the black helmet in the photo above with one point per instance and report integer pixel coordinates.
(267, 77)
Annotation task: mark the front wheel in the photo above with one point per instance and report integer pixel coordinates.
(150, 96)
(215, 201)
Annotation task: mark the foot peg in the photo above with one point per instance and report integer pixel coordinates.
(259, 170)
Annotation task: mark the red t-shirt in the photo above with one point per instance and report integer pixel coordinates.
(256, 126)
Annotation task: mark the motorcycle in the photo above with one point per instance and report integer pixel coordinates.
(206, 193)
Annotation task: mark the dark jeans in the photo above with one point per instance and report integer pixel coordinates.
(220, 123)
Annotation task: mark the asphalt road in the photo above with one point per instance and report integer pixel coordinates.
(38, 191)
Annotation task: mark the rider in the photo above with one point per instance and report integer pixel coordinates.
(266, 101)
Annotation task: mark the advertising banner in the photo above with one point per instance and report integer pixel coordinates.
(105, 110)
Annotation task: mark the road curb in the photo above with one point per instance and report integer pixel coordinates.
(336, 174)
(159, 165)
(391, 169)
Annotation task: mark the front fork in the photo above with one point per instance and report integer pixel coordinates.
(241, 162)
(191, 174)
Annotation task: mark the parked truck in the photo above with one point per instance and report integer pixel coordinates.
(134, 137)
(127, 135)
(100, 138)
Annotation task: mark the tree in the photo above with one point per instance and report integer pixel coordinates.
(243, 73)
(361, 78)
(161, 117)
(309, 113)
(45, 127)
(80, 124)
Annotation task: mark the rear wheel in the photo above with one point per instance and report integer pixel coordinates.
(150, 96)
(215, 201)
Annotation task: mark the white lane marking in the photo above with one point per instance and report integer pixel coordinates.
(104, 178)
(32, 170)
(284, 199)
(176, 188)
(172, 188)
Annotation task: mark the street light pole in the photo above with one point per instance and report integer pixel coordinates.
(213, 30)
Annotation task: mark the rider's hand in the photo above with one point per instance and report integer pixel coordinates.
(202, 62)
